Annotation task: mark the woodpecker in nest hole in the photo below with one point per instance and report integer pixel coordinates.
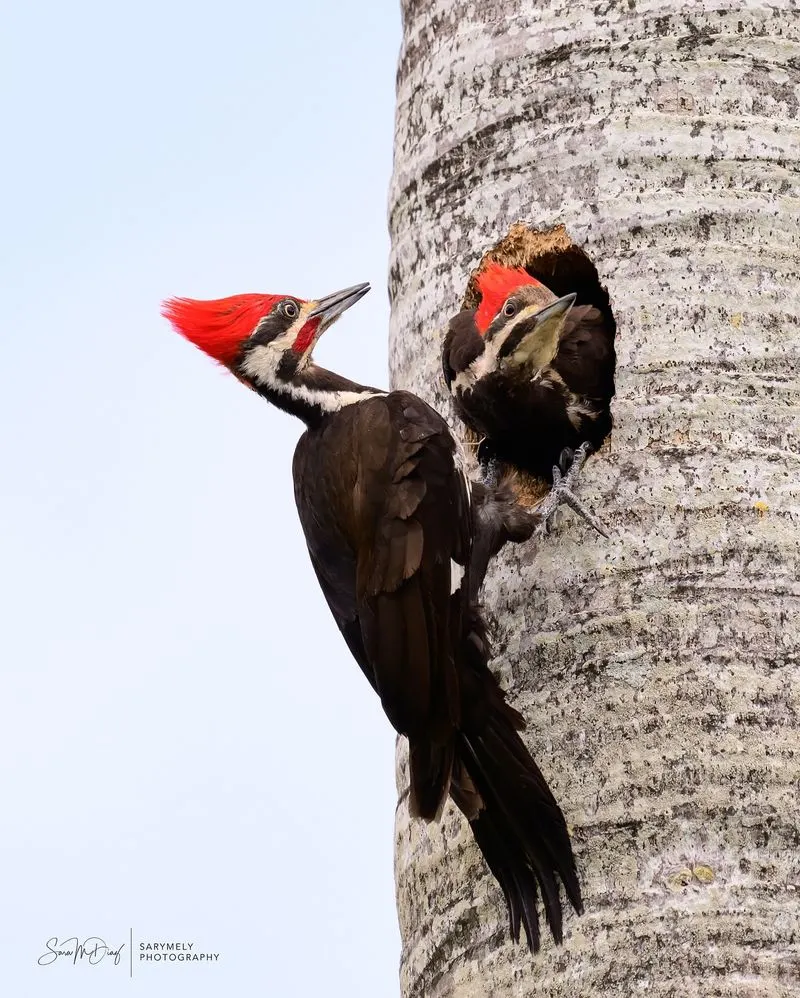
(530, 373)
(390, 520)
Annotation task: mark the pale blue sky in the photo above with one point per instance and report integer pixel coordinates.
(187, 747)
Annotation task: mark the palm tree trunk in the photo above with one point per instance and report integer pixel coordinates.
(658, 670)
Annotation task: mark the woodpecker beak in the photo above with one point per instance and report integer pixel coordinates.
(329, 308)
(556, 312)
(538, 347)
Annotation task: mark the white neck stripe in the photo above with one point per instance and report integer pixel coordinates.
(261, 365)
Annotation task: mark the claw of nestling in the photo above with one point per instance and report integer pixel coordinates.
(562, 493)
(565, 459)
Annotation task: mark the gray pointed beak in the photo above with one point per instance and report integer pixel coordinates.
(556, 309)
(537, 345)
(331, 306)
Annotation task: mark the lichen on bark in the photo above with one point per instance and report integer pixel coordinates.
(658, 670)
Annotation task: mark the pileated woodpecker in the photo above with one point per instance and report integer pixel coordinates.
(532, 374)
(389, 522)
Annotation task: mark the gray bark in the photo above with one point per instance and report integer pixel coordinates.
(658, 670)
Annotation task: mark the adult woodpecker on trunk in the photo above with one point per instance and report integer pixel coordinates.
(532, 374)
(389, 523)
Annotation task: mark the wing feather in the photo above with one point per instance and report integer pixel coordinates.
(402, 519)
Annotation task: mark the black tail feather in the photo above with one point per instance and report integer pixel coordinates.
(517, 881)
(430, 767)
(514, 816)
(520, 829)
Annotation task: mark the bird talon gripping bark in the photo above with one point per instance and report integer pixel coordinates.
(562, 493)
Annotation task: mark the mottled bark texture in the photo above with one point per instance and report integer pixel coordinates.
(658, 670)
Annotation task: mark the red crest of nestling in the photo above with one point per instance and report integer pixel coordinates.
(221, 326)
(496, 283)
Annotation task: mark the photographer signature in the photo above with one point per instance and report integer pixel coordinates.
(93, 949)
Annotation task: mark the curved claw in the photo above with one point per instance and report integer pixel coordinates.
(565, 459)
(562, 493)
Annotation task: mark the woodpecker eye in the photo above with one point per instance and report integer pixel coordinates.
(290, 309)
(509, 309)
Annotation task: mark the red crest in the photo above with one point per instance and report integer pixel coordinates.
(496, 283)
(221, 326)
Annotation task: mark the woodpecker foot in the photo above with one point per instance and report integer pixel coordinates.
(562, 494)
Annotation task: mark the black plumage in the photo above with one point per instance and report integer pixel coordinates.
(400, 541)
(386, 513)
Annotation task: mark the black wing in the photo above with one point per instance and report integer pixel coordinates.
(412, 535)
(462, 345)
(387, 547)
(386, 515)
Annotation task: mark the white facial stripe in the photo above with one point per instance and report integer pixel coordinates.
(504, 333)
(261, 364)
(269, 355)
(487, 361)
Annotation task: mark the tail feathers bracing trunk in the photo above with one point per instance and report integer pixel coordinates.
(516, 821)
(496, 784)
(519, 828)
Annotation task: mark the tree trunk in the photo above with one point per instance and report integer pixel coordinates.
(658, 671)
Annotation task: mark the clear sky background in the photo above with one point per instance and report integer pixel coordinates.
(187, 748)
